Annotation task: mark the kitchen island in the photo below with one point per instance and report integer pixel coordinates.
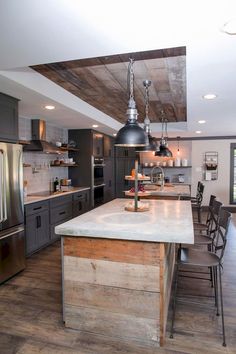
(118, 268)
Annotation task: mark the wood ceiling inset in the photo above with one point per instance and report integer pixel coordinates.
(102, 82)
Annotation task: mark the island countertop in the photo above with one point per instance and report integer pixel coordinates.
(167, 221)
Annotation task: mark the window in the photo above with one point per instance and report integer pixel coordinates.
(233, 173)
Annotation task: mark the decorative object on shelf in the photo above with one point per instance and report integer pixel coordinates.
(163, 149)
(131, 135)
(178, 140)
(152, 144)
(211, 166)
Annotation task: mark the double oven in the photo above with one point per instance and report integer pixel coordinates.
(98, 181)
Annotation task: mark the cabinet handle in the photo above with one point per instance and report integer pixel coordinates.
(37, 208)
(62, 213)
(38, 221)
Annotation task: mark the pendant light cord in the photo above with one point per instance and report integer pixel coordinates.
(130, 84)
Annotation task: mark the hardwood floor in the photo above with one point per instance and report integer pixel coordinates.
(31, 319)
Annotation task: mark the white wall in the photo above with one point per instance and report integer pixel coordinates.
(221, 186)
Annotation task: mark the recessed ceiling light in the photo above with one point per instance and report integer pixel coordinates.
(229, 27)
(201, 121)
(95, 126)
(50, 107)
(209, 96)
(198, 131)
(114, 134)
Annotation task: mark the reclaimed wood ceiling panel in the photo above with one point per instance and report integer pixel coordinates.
(102, 82)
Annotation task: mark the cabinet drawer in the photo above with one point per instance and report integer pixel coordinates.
(80, 196)
(60, 213)
(35, 208)
(55, 202)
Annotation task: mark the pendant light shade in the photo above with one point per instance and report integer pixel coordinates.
(151, 142)
(131, 135)
(163, 151)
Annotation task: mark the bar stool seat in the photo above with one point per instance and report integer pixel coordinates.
(202, 240)
(199, 259)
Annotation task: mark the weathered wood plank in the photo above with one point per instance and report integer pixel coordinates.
(115, 274)
(146, 253)
(113, 324)
(132, 302)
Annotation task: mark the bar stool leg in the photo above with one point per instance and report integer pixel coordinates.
(222, 308)
(216, 292)
(174, 302)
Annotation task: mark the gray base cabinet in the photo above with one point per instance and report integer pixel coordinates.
(41, 218)
(36, 226)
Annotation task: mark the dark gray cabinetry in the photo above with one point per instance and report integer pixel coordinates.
(108, 146)
(109, 179)
(80, 203)
(8, 118)
(125, 152)
(41, 218)
(60, 211)
(97, 144)
(36, 226)
(123, 168)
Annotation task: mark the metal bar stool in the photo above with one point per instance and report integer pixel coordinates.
(197, 201)
(193, 258)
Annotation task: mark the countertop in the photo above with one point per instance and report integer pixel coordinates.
(38, 198)
(174, 190)
(166, 221)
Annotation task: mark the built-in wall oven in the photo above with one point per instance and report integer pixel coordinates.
(98, 181)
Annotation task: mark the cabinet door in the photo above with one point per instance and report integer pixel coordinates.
(124, 167)
(31, 234)
(109, 180)
(8, 118)
(108, 146)
(125, 152)
(97, 145)
(42, 228)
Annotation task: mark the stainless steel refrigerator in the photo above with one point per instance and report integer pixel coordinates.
(12, 240)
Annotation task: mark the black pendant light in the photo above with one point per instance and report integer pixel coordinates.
(163, 149)
(152, 144)
(131, 135)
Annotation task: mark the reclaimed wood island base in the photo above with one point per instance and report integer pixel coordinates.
(118, 287)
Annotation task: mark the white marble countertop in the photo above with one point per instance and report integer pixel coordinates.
(33, 198)
(166, 221)
(170, 191)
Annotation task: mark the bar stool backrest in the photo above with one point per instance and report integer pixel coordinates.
(199, 195)
(222, 232)
(208, 220)
(215, 212)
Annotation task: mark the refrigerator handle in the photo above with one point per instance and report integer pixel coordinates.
(4, 192)
(1, 184)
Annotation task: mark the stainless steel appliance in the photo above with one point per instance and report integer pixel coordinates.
(98, 171)
(12, 242)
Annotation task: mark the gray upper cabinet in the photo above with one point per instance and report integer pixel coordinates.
(108, 146)
(8, 118)
(98, 145)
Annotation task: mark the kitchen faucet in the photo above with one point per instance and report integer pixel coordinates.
(155, 179)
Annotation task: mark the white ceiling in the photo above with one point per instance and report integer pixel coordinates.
(38, 32)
